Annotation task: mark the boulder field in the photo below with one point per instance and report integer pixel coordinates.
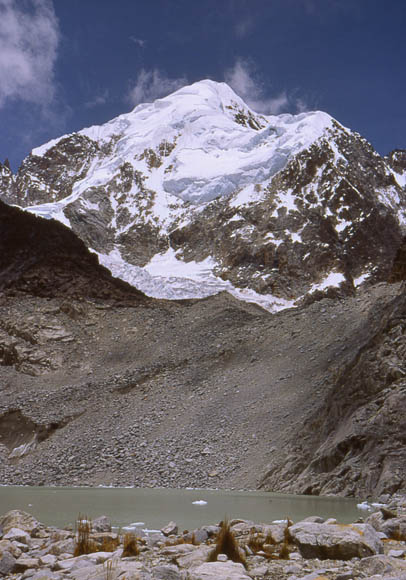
(312, 549)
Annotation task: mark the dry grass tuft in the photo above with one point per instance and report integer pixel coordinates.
(130, 545)
(226, 544)
(284, 549)
(84, 545)
(175, 541)
(110, 544)
(256, 541)
(109, 570)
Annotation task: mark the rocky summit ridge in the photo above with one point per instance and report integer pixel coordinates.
(196, 193)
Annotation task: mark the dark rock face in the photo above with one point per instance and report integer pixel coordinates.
(45, 258)
(340, 222)
(51, 176)
(397, 160)
(398, 272)
(354, 443)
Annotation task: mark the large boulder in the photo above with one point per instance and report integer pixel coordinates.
(21, 520)
(382, 565)
(340, 542)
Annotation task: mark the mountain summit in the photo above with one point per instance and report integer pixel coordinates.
(196, 193)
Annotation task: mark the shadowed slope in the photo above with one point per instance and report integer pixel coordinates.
(45, 258)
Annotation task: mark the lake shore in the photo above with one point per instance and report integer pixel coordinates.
(313, 548)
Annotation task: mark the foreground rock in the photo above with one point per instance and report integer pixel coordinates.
(332, 541)
(306, 549)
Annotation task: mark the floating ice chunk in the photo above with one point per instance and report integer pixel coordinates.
(364, 506)
(199, 502)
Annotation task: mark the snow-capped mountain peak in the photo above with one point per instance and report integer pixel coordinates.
(197, 177)
(200, 142)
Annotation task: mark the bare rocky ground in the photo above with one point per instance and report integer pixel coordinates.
(207, 393)
(101, 385)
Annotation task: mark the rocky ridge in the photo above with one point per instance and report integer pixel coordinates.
(45, 258)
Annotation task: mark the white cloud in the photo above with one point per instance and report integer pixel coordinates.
(243, 79)
(138, 41)
(244, 27)
(100, 99)
(153, 84)
(29, 37)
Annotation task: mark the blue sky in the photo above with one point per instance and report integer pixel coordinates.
(67, 64)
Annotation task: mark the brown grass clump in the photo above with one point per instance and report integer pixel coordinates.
(226, 544)
(284, 549)
(193, 540)
(269, 539)
(256, 541)
(110, 544)
(84, 545)
(131, 547)
(175, 541)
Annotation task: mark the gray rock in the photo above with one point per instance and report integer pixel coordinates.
(195, 557)
(317, 575)
(19, 519)
(25, 563)
(48, 560)
(7, 563)
(276, 532)
(330, 541)
(379, 564)
(17, 535)
(155, 539)
(61, 547)
(219, 571)
(315, 520)
(211, 530)
(168, 572)
(170, 528)
(396, 553)
(375, 520)
(177, 550)
(101, 524)
(72, 564)
(129, 569)
(45, 574)
(7, 546)
(197, 536)
(259, 571)
(395, 528)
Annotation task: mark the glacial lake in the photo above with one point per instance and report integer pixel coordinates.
(60, 506)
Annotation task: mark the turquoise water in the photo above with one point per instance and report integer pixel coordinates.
(60, 506)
